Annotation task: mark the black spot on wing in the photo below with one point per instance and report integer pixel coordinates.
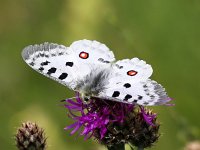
(41, 69)
(69, 64)
(41, 54)
(128, 96)
(118, 66)
(152, 96)
(32, 63)
(61, 53)
(127, 85)
(106, 61)
(51, 70)
(116, 94)
(45, 63)
(145, 86)
(47, 56)
(135, 101)
(63, 76)
(140, 97)
(103, 61)
(145, 103)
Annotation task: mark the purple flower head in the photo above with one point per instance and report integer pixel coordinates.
(98, 113)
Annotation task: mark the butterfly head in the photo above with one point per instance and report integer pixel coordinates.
(86, 97)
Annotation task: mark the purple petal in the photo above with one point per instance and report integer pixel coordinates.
(76, 128)
(85, 131)
(77, 108)
(88, 136)
(71, 126)
(103, 132)
(78, 99)
(74, 103)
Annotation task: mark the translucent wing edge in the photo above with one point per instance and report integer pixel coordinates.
(31, 49)
(156, 93)
(159, 90)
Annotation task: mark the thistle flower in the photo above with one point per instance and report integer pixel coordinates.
(30, 137)
(113, 123)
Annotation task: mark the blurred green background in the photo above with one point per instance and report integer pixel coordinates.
(166, 34)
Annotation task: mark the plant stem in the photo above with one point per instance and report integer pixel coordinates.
(120, 146)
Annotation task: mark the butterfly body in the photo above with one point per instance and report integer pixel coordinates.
(89, 68)
(93, 83)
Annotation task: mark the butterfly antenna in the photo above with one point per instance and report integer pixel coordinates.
(63, 100)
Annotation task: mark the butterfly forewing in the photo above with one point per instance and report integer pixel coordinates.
(67, 65)
(92, 52)
(50, 60)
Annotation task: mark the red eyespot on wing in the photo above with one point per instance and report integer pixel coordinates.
(83, 55)
(132, 73)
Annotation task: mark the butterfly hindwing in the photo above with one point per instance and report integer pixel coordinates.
(130, 83)
(130, 69)
(144, 93)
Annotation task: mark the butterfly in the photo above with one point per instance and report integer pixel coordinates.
(89, 67)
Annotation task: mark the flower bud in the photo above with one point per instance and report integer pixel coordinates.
(30, 137)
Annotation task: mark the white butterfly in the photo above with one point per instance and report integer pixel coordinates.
(89, 67)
